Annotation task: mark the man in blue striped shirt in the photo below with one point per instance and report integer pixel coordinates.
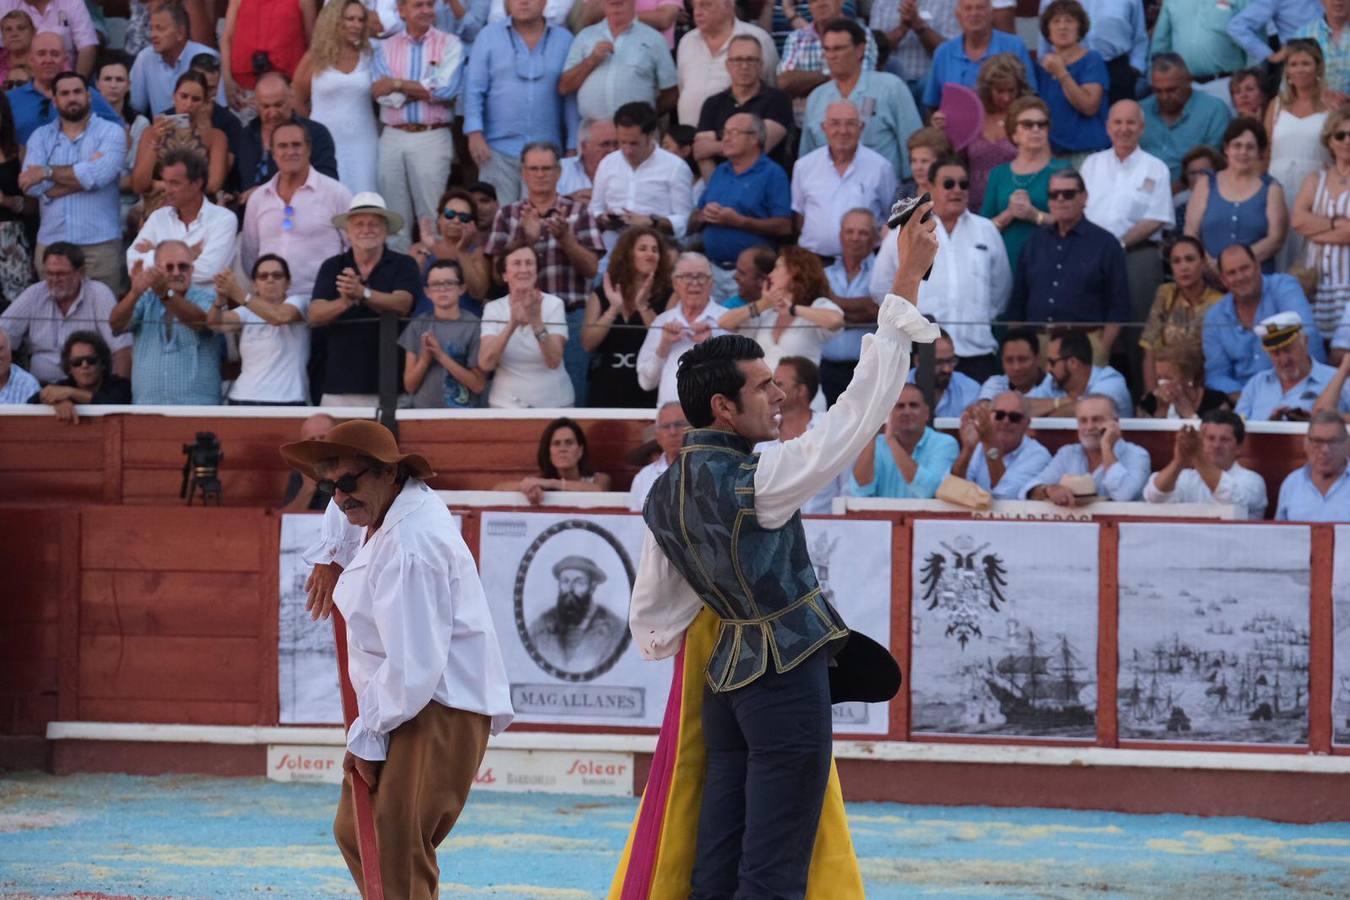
(73, 167)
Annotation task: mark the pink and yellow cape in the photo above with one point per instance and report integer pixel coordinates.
(658, 858)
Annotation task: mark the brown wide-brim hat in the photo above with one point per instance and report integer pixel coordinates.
(355, 438)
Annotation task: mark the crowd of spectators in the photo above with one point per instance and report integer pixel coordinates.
(1144, 210)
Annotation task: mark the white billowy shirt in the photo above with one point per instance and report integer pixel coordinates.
(789, 474)
(823, 502)
(418, 626)
(1241, 487)
(643, 481)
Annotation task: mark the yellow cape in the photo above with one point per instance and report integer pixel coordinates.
(658, 858)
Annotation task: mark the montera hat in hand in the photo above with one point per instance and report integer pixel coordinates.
(355, 438)
(863, 671)
(373, 203)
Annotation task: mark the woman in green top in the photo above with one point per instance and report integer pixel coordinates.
(1017, 198)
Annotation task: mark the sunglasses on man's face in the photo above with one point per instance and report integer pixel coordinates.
(345, 483)
(456, 214)
(78, 361)
(1013, 417)
(1065, 194)
(962, 183)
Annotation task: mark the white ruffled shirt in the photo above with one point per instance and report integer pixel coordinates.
(418, 625)
(789, 474)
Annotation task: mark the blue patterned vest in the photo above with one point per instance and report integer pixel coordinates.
(760, 582)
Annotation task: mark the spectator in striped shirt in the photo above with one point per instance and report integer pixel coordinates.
(417, 77)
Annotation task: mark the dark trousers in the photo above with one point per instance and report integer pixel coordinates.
(1123, 78)
(834, 377)
(768, 765)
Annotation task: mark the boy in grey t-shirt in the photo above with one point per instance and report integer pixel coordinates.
(441, 364)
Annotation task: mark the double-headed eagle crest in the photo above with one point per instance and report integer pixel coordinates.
(966, 593)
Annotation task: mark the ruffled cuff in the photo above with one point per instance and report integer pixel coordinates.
(899, 318)
(367, 744)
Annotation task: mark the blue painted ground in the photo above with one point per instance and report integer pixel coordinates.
(95, 835)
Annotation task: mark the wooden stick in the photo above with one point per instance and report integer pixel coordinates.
(373, 884)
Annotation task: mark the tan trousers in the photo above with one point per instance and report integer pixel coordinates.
(422, 786)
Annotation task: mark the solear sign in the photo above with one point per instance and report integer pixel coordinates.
(517, 771)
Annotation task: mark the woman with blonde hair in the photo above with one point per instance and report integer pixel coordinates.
(333, 81)
(1018, 195)
(1294, 121)
(1002, 81)
(1322, 218)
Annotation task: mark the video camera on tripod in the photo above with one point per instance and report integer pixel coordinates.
(201, 471)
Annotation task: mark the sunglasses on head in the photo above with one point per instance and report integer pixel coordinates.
(1064, 194)
(962, 183)
(1013, 417)
(456, 214)
(346, 484)
(77, 361)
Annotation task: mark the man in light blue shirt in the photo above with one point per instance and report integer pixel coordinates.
(73, 167)
(887, 107)
(1291, 387)
(1233, 351)
(1200, 31)
(849, 277)
(958, 60)
(908, 460)
(16, 384)
(157, 67)
(1072, 376)
(619, 61)
(1320, 490)
(996, 453)
(511, 95)
(955, 391)
(1330, 32)
(1178, 118)
(1250, 27)
(1118, 468)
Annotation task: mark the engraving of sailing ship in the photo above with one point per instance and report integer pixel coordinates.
(1042, 685)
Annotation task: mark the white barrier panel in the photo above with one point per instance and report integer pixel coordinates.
(1004, 629)
(1214, 633)
(1340, 596)
(1038, 510)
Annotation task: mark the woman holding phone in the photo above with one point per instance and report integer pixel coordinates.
(189, 125)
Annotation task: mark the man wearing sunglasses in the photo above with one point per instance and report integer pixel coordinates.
(1072, 272)
(292, 213)
(996, 453)
(425, 703)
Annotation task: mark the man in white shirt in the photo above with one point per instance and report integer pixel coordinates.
(971, 282)
(701, 59)
(641, 184)
(766, 705)
(799, 380)
(1130, 195)
(850, 278)
(1204, 468)
(670, 428)
(996, 453)
(189, 217)
(691, 319)
(841, 176)
(408, 588)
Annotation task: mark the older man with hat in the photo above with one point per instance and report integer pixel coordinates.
(424, 660)
(1288, 390)
(351, 292)
(577, 634)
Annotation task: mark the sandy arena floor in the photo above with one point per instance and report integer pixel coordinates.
(100, 836)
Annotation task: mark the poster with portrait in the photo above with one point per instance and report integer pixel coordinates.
(1004, 629)
(558, 586)
(1340, 597)
(1214, 633)
(307, 674)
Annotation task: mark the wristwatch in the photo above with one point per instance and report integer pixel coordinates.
(46, 173)
(365, 294)
(540, 334)
(992, 453)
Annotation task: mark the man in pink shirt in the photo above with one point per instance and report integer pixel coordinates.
(70, 20)
(291, 214)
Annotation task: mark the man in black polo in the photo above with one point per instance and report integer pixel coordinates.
(748, 94)
(351, 292)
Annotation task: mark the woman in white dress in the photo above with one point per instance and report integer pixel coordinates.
(333, 82)
(1294, 122)
(523, 337)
